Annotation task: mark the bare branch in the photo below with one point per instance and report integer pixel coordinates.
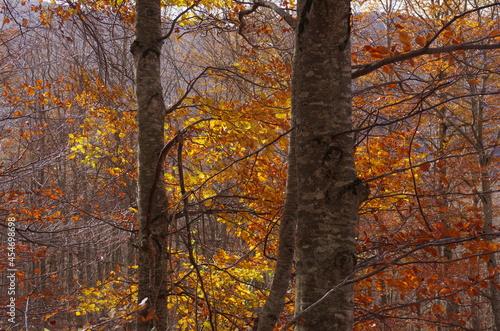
(174, 21)
(186, 93)
(289, 19)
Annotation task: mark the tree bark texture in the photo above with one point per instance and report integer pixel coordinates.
(487, 201)
(275, 302)
(329, 192)
(486, 196)
(153, 223)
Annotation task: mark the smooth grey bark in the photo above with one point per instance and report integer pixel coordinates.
(329, 192)
(486, 194)
(274, 305)
(151, 199)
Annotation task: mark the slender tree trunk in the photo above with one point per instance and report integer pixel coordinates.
(442, 194)
(146, 50)
(274, 305)
(487, 201)
(486, 194)
(329, 192)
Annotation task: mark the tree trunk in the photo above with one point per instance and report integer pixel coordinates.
(329, 192)
(487, 201)
(486, 194)
(283, 269)
(152, 252)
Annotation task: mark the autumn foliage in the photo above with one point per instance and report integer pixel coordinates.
(426, 114)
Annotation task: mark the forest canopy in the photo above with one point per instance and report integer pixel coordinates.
(261, 165)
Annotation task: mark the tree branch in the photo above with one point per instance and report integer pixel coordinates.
(174, 21)
(368, 68)
(425, 50)
(289, 19)
(456, 17)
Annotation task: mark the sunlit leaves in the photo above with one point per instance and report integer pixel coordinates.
(114, 297)
(68, 153)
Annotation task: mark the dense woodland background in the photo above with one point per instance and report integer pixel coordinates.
(427, 144)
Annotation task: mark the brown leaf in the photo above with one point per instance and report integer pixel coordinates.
(404, 37)
(420, 40)
(448, 34)
(383, 50)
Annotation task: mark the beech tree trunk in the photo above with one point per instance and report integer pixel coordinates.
(329, 192)
(486, 193)
(486, 196)
(153, 223)
(275, 303)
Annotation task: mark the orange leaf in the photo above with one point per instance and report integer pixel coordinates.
(431, 250)
(36, 271)
(496, 34)
(448, 34)
(404, 37)
(493, 246)
(150, 316)
(382, 49)
(439, 309)
(420, 40)
(425, 167)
